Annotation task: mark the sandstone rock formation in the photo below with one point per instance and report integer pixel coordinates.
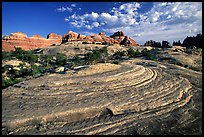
(136, 96)
(70, 36)
(117, 38)
(127, 41)
(19, 39)
(123, 40)
(81, 36)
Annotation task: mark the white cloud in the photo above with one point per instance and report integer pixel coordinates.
(62, 9)
(95, 24)
(168, 17)
(94, 15)
(73, 5)
(130, 8)
(164, 21)
(66, 19)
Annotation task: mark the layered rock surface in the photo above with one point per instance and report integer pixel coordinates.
(135, 92)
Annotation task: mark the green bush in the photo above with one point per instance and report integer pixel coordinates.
(37, 70)
(106, 43)
(9, 82)
(77, 61)
(46, 60)
(118, 54)
(98, 55)
(145, 52)
(6, 55)
(115, 62)
(61, 59)
(84, 42)
(23, 55)
(131, 52)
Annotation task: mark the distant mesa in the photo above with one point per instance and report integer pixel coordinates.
(19, 39)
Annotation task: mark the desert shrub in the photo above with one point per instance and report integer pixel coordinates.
(133, 53)
(145, 51)
(84, 42)
(46, 60)
(115, 62)
(119, 54)
(61, 59)
(30, 57)
(23, 55)
(9, 82)
(37, 70)
(148, 54)
(18, 51)
(76, 61)
(104, 50)
(98, 43)
(7, 68)
(6, 55)
(23, 72)
(103, 55)
(151, 57)
(98, 55)
(92, 57)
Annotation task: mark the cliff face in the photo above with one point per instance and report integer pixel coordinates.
(19, 39)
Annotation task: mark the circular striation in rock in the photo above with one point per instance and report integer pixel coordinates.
(72, 103)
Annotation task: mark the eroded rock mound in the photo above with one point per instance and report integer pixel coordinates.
(127, 41)
(70, 36)
(19, 39)
(117, 38)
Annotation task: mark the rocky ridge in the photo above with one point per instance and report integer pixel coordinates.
(19, 39)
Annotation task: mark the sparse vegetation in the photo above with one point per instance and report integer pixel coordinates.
(97, 55)
(61, 59)
(84, 42)
(9, 82)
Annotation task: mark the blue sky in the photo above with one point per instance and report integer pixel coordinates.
(140, 20)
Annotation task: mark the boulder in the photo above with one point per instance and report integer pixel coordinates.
(59, 69)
